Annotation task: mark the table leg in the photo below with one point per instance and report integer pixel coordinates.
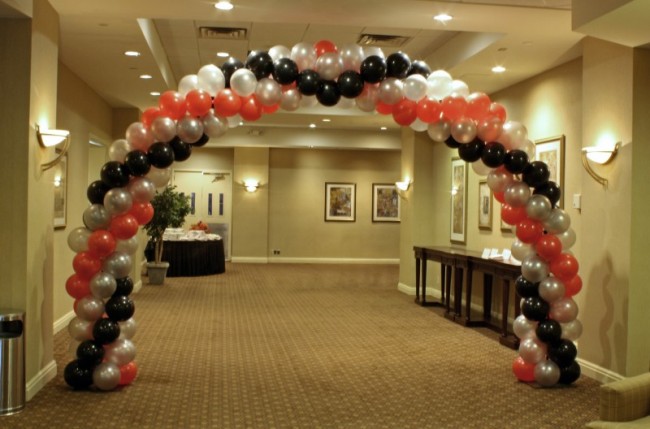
(458, 291)
(504, 312)
(417, 279)
(487, 297)
(424, 283)
(448, 288)
(468, 297)
(442, 283)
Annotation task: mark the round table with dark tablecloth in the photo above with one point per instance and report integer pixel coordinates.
(189, 258)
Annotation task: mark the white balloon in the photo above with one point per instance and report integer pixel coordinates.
(481, 169)
(352, 55)
(419, 125)
(279, 51)
(369, 51)
(290, 100)
(139, 136)
(308, 101)
(459, 88)
(304, 55)
(268, 92)
(118, 150)
(159, 176)
(329, 65)
(243, 82)
(211, 79)
(439, 85)
(128, 246)
(128, 328)
(188, 83)
(415, 87)
(78, 239)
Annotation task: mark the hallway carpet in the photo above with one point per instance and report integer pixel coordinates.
(306, 346)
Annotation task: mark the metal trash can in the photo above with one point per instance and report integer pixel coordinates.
(12, 361)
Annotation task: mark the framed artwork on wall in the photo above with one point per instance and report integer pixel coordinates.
(340, 201)
(385, 203)
(458, 201)
(60, 193)
(484, 206)
(551, 151)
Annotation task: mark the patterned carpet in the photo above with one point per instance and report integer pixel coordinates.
(306, 346)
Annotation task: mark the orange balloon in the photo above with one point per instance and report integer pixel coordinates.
(405, 112)
(564, 267)
(324, 46)
(453, 107)
(549, 247)
(513, 215)
(142, 212)
(529, 231)
(383, 108)
(267, 110)
(77, 287)
(227, 103)
(198, 102)
(573, 286)
(101, 243)
(172, 104)
(478, 106)
(125, 226)
(128, 373)
(86, 265)
(523, 371)
(498, 110)
(250, 109)
(500, 197)
(428, 110)
(149, 115)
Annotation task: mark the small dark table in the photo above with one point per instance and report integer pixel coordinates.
(192, 258)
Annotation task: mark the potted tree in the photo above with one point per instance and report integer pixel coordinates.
(170, 209)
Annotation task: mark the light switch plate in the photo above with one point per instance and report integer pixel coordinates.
(577, 201)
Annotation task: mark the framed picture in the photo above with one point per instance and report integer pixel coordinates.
(505, 227)
(340, 201)
(484, 206)
(60, 191)
(385, 203)
(551, 151)
(458, 200)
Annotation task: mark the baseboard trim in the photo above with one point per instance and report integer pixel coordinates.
(63, 322)
(44, 376)
(410, 290)
(360, 261)
(249, 260)
(137, 286)
(597, 372)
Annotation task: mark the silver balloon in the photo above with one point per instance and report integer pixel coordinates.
(481, 169)
(117, 201)
(538, 207)
(367, 100)
(234, 121)
(376, 51)
(534, 269)
(78, 239)
(268, 92)
(557, 222)
(106, 376)
(532, 350)
(80, 329)
(188, 83)
(128, 246)
(551, 289)
(419, 126)
(498, 179)
(211, 79)
(308, 101)
(345, 103)
(290, 100)
(415, 87)
(523, 327)
(329, 66)
(547, 373)
(564, 310)
(102, 285)
(163, 129)
(567, 238)
(189, 129)
(96, 217)
(521, 250)
(514, 135)
(459, 88)
(117, 264)
(439, 131)
(304, 55)
(352, 56)
(243, 82)
(120, 352)
(214, 126)
(463, 130)
(530, 149)
(139, 136)
(159, 176)
(438, 85)
(391, 90)
(142, 189)
(89, 308)
(128, 328)
(517, 194)
(118, 150)
(279, 51)
(572, 330)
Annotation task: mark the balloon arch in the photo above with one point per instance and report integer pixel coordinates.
(282, 78)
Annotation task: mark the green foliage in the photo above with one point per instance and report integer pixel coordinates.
(170, 209)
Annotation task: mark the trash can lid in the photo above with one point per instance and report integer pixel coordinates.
(9, 314)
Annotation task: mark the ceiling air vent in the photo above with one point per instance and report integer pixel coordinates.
(382, 40)
(223, 33)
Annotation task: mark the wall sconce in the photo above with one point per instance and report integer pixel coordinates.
(251, 185)
(599, 155)
(403, 185)
(49, 138)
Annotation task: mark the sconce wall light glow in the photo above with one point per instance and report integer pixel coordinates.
(251, 185)
(599, 155)
(403, 185)
(50, 138)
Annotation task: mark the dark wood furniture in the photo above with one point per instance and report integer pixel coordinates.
(460, 264)
(192, 258)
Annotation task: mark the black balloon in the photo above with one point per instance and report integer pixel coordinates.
(182, 150)
(161, 155)
(493, 154)
(229, 67)
(124, 286)
(114, 174)
(106, 331)
(350, 84)
(550, 190)
(308, 82)
(525, 288)
(549, 331)
(516, 161)
(570, 373)
(562, 353)
(328, 93)
(536, 174)
(471, 151)
(398, 65)
(90, 352)
(452, 143)
(201, 141)
(78, 375)
(535, 308)
(373, 69)
(137, 162)
(96, 192)
(285, 71)
(120, 308)
(419, 67)
(260, 63)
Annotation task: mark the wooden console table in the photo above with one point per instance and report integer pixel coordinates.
(462, 264)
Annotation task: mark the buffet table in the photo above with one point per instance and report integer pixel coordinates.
(189, 258)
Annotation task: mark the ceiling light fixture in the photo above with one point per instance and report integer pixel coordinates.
(327, 120)
(383, 128)
(312, 125)
(146, 76)
(223, 54)
(132, 53)
(498, 69)
(223, 5)
(443, 18)
(155, 93)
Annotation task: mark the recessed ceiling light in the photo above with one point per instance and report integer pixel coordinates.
(146, 76)
(327, 120)
(443, 17)
(498, 69)
(223, 5)
(383, 128)
(132, 53)
(155, 93)
(312, 125)
(223, 54)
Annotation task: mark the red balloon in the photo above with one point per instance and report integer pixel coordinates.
(251, 110)
(172, 104)
(149, 115)
(453, 107)
(125, 225)
(86, 265)
(498, 110)
(77, 287)
(128, 373)
(324, 46)
(500, 197)
(142, 212)
(523, 371)
(227, 103)
(383, 108)
(267, 110)
(405, 112)
(478, 106)
(564, 267)
(549, 247)
(198, 102)
(529, 231)
(513, 215)
(429, 110)
(572, 286)
(101, 243)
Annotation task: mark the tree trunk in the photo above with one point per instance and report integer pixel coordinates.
(158, 251)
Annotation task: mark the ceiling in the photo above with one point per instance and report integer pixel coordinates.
(525, 36)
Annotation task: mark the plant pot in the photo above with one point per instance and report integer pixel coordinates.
(157, 272)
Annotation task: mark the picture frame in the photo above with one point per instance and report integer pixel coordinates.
(385, 203)
(458, 217)
(340, 202)
(60, 193)
(551, 151)
(484, 206)
(505, 227)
